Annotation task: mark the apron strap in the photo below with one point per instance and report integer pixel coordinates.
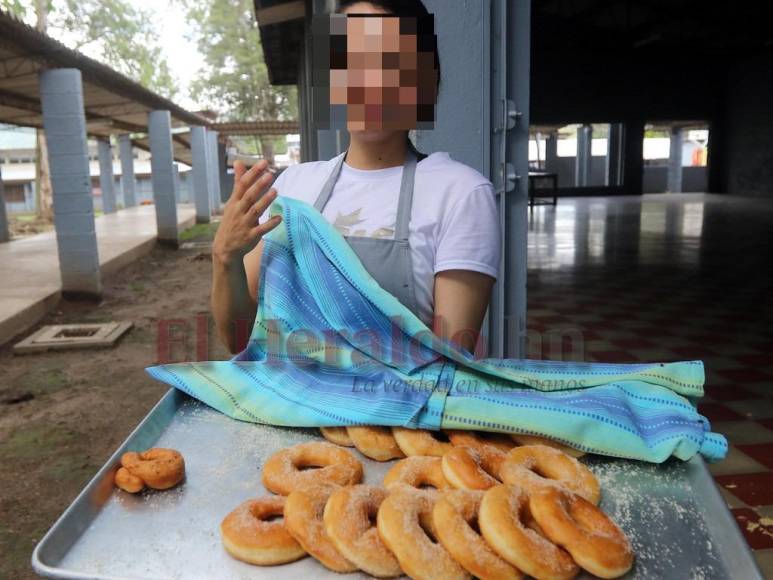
(327, 188)
(406, 195)
(404, 202)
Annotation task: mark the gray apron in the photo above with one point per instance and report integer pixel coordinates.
(387, 261)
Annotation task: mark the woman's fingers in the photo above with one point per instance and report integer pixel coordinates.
(255, 191)
(239, 169)
(243, 183)
(262, 229)
(262, 204)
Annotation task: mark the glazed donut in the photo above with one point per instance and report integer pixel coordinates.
(534, 466)
(593, 540)
(467, 468)
(157, 468)
(418, 472)
(250, 536)
(502, 516)
(480, 439)
(337, 435)
(348, 520)
(419, 442)
(375, 442)
(455, 520)
(404, 524)
(537, 440)
(303, 519)
(282, 473)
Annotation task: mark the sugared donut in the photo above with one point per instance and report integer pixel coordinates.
(375, 442)
(455, 518)
(250, 535)
(467, 468)
(593, 540)
(349, 515)
(503, 513)
(337, 435)
(404, 522)
(480, 439)
(417, 471)
(535, 466)
(536, 440)
(303, 519)
(282, 471)
(158, 468)
(420, 442)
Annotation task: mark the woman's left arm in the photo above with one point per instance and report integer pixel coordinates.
(461, 300)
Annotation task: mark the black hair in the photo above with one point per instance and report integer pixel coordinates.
(414, 8)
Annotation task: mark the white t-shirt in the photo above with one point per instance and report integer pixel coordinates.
(454, 218)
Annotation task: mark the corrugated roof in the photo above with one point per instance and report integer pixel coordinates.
(113, 103)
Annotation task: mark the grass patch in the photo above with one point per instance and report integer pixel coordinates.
(199, 232)
(24, 217)
(36, 442)
(42, 380)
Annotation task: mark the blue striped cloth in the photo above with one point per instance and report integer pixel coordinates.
(330, 347)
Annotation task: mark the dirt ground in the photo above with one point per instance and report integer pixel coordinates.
(62, 414)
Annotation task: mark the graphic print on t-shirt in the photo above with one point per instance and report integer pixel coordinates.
(344, 223)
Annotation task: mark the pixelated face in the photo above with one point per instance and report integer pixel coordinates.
(382, 72)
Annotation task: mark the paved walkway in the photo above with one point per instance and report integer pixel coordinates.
(30, 282)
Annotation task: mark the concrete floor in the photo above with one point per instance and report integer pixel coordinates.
(30, 282)
(671, 277)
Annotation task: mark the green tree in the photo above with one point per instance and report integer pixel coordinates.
(116, 31)
(233, 79)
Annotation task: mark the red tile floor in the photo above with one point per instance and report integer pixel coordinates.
(671, 277)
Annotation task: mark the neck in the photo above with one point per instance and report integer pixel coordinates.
(389, 152)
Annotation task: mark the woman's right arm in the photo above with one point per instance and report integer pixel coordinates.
(239, 234)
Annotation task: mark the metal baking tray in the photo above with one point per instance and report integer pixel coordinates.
(676, 519)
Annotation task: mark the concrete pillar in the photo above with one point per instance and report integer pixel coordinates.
(214, 173)
(61, 99)
(226, 182)
(161, 167)
(633, 160)
(106, 183)
(551, 153)
(675, 161)
(127, 170)
(176, 169)
(200, 175)
(614, 170)
(583, 159)
(5, 233)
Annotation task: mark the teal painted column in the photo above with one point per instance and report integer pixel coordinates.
(226, 182)
(614, 160)
(162, 170)
(126, 152)
(5, 234)
(106, 180)
(61, 99)
(584, 156)
(213, 172)
(675, 161)
(176, 168)
(200, 175)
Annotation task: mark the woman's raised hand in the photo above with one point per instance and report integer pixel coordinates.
(239, 231)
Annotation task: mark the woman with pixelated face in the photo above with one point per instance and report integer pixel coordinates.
(426, 227)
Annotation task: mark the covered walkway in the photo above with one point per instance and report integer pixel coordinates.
(30, 282)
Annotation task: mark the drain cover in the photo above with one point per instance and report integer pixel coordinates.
(67, 336)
